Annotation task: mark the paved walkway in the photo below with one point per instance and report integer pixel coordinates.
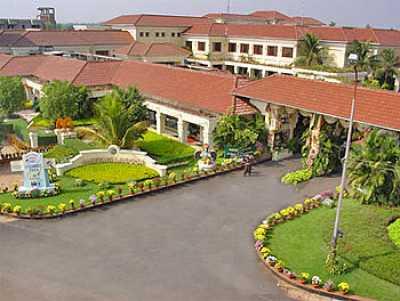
(190, 243)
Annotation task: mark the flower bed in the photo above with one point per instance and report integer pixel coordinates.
(108, 196)
(310, 283)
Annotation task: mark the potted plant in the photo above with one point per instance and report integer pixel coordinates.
(290, 274)
(62, 207)
(93, 199)
(304, 277)
(110, 194)
(101, 195)
(329, 286)
(316, 282)
(132, 187)
(344, 288)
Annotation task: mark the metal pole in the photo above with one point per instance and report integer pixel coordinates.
(345, 161)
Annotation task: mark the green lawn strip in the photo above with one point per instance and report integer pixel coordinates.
(20, 128)
(71, 148)
(165, 150)
(373, 259)
(40, 122)
(114, 173)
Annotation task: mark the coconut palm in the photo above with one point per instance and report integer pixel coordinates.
(374, 169)
(388, 61)
(366, 60)
(310, 50)
(114, 126)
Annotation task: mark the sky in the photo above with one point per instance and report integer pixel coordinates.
(378, 13)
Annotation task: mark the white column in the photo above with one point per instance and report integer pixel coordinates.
(236, 69)
(160, 120)
(33, 137)
(264, 73)
(397, 84)
(182, 130)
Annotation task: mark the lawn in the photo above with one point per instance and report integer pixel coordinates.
(373, 258)
(20, 128)
(69, 191)
(40, 122)
(70, 148)
(114, 173)
(165, 150)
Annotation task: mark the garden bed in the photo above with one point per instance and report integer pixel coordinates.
(164, 150)
(373, 261)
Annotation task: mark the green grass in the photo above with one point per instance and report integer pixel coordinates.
(40, 122)
(20, 128)
(71, 148)
(69, 191)
(373, 258)
(114, 173)
(394, 232)
(165, 150)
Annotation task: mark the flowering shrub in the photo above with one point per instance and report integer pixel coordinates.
(329, 285)
(17, 210)
(110, 194)
(304, 277)
(51, 209)
(297, 176)
(72, 204)
(6, 208)
(344, 287)
(316, 281)
(93, 199)
(101, 195)
(62, 207)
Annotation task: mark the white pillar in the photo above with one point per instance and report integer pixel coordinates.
(33, 137)
(182, 130)
(160, 122)
(236, 69)
(397, 84)
(264, 73)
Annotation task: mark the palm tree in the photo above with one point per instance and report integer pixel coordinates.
(388, 61)
(374, 169)
(366, 60)
(310, 50)
(114, 126)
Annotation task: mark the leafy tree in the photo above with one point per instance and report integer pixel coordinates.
(388, 61)
(113, 123)
(310, 51)
(132, 98)
(366, 60)
(374, 169)
(12, 95)
(62, 99)
(332, 24)
(239, 132)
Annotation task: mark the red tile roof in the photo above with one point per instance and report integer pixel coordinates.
(374, 107)
(64, 38)
(270, 14)
(308, 21)
(207, 91)
(156, 20)
(4, 59)
(385, 37)
(152, 50)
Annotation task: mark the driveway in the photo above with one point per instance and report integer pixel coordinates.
(189, 243)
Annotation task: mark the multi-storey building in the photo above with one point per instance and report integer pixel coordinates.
(45, 19)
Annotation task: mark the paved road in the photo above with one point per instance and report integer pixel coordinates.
(190, 243)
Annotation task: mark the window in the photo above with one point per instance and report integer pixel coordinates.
(272, 51)
(147, 34)
(141, 34)
(189, 45)
(157, 34)
(217, 47)
(244, 48)
(258, 49)
(232, 47)
(173, 34)
(201, 46)
(178, 34)
(287, 52)
(163, 34)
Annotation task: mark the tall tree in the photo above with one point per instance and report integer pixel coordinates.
(114, 126)
(12, 95)
(388, 61)
(366, 60)
(310, 50)
(62, 99)
(132, 98)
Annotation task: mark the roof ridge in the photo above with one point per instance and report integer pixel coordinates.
(79, 72)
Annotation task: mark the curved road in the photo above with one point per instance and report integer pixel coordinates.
(189, 243)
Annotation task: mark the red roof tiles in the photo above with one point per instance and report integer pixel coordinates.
(373, 107)
(4, 59)
(307, 21)
(152, 50)
(64, 38)
(156, 20)
(270, 14)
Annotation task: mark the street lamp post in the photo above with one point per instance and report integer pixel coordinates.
(353, 58)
